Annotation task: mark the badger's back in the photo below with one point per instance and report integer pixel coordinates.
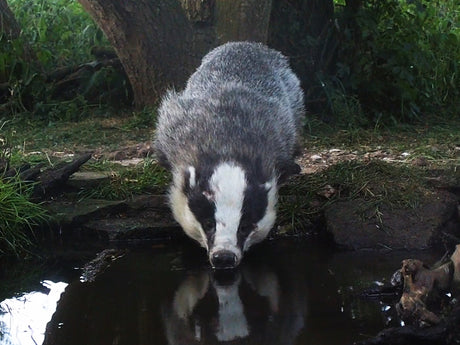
(242, 103)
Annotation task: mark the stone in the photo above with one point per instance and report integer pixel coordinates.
(354, 224)
(74, 213)
(148, 201)
(139, 218)
(114, 229)
(87, 179)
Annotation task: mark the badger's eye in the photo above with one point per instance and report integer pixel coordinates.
(208, 195)
(208, 224)
(247, 228)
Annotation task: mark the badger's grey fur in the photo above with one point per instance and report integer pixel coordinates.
(229, 139)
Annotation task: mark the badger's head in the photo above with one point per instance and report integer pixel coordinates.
(225, 208)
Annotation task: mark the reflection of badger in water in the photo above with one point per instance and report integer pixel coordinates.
(229, 139)
(246, 307)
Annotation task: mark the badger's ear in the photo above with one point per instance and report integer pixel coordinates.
(189, 178)
(287, 169)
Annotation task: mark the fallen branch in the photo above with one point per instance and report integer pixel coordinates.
(48, 180)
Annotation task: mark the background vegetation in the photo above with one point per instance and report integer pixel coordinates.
(397, 60)
(57, 37)
(393, 61)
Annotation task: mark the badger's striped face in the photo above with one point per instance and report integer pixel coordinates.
(224, 209)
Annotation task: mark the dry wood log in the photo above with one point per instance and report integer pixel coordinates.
(420, 283)
(30, 174)
(71, 72)
(51, 179)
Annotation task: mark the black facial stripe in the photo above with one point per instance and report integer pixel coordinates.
(204, 211)
(254, 209)
(254, 204)
(201, 207)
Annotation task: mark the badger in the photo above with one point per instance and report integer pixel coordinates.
(230, 139)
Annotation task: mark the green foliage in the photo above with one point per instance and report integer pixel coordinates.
(60, 31)
(56, 34)
(19, 216)
(400, 58)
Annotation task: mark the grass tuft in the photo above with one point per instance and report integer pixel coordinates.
(145, 177)
(378, 183)
(18, 216)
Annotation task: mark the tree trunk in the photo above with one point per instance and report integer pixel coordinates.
(160, 43)
(303, 30)
(8, 24)
(243, 20)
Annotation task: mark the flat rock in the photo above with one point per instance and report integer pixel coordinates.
(134, 229)
(87, 179)
(148, 201)
(78, 212)
(141, 217)
(354, 224)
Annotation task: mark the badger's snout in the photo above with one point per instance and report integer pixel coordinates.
(223, 259)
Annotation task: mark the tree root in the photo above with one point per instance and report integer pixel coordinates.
(421, 286)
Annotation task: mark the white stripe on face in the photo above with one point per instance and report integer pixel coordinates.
(182, 213)
(227, 184)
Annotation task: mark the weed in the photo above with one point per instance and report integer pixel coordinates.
(19, 216)
(345, 108)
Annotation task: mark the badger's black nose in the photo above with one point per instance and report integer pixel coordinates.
(223, 259)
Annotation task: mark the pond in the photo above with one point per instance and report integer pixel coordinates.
(288, 291)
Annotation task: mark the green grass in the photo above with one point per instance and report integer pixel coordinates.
(146, 177)
(19, 216)
(378, 183)
(103, 132)
(436, 139)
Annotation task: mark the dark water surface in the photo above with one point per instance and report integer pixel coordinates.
(285, 292)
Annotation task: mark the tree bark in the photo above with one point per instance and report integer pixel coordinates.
(160, 43)
(8, 24)
(243, 20)
(303, 30)
(11, 28)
